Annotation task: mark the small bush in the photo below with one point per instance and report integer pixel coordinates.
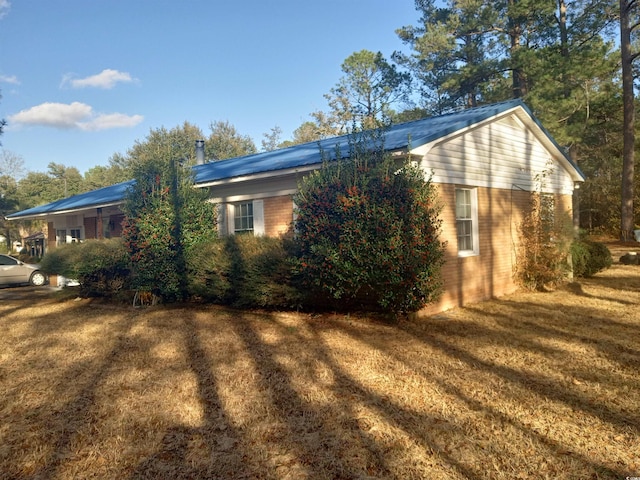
(260, 273)
(589, 257)
(100, 266)
(63, 260)
(544, 245)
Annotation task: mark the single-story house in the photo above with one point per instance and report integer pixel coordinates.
(486, 161)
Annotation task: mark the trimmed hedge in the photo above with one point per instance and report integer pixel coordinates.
(243, 271)
(100, 266)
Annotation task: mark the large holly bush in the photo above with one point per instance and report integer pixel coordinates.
(165, 218)
(367, 231)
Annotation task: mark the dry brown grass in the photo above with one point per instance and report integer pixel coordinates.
(534, 385)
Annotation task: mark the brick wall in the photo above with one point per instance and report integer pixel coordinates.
(489, 274)
(90, 228)
(278, 215)
(51, 235)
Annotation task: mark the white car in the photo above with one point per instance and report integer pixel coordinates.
(15, 272)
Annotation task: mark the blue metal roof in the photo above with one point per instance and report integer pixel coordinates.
(95, 198)
(411, 134)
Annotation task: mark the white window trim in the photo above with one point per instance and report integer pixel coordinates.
(475, 236)
(227, 218)
(258, 217)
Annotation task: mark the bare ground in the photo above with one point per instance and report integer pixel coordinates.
(533, 385)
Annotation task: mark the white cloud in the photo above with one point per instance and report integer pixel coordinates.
(9, 78)
(71, 116)
(5, 6)
(106, 79)
(111, 120)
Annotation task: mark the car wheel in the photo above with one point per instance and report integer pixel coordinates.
(37, 279)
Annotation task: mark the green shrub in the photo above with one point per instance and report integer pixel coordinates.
(244, 271)
(62, 260)
(261, 273)
(208, 267)
(589, 257)
(100, 266)
(165, 217)
(367, 233)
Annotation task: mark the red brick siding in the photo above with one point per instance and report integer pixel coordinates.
(489, 274)
(90, 229)
(51, 235)
(278, 215)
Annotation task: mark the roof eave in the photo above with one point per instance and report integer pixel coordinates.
(36, 216)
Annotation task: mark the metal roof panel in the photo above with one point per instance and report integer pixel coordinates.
(397, 137)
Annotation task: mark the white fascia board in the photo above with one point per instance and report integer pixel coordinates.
(244, 198)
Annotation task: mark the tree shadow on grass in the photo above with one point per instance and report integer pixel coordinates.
(538, 386)
(62, 423)
(577, 288)
(617, 341)
(217, 435)
(317, 450)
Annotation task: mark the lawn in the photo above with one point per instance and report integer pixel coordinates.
(533, 385)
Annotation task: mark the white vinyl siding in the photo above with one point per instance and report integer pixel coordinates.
(497, 155)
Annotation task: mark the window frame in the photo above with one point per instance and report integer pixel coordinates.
(469, 216)
(61, 236)
(247, 217)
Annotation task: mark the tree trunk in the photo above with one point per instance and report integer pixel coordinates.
(564, 45)
(626, 214)
(518, 78)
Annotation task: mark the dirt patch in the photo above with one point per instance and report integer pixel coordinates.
(533, 385)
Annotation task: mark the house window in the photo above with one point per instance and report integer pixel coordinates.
(243, 217)
(74, 233)
(61, 237)
(467, 221)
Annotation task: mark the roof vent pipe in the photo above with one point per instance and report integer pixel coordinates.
(200, 152)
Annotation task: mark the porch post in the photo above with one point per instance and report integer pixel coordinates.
(100, 231)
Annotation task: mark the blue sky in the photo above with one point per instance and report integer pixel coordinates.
(83, 79)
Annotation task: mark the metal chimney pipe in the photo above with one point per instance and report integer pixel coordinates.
(200, 152)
